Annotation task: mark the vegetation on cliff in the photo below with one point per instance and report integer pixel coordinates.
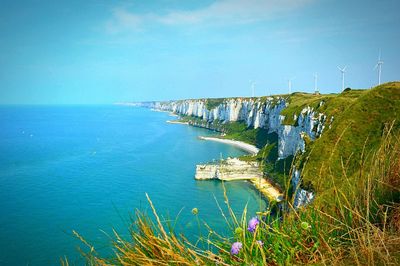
(212, 103)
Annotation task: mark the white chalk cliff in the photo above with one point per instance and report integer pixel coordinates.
(257, 114)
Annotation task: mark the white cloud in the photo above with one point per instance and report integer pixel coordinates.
(122, 19)
(220, 12)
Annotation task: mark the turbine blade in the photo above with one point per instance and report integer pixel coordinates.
(344, 69)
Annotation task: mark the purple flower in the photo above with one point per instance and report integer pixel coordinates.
(260, 243)
(236, 248)
(253, 224)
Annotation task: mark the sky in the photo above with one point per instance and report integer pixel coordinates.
(100, 52)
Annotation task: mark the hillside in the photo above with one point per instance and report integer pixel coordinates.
(355, 135)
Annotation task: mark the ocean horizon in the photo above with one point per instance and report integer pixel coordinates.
(87, 168)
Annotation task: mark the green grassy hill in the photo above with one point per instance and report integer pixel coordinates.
(354, 136)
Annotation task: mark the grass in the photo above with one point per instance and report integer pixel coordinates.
(362, 229)
(332, 104)
(213, 103)
(357, 128)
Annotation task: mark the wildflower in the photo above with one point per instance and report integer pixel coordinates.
(253, 224)
(305, 225)
(260, 243)
(236, 247)
(195, 211)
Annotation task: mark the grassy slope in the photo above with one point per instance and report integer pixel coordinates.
(358, 121)
(333, 103)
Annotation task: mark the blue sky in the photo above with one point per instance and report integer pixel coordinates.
(95, 52)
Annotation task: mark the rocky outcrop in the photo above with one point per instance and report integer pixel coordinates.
(230, 169)
(234, 169)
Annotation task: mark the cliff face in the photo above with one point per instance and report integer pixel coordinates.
(256, 113)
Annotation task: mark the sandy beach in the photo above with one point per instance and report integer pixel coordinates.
(240, 144)
(267, 189)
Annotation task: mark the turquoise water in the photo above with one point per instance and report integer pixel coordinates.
(87, 168)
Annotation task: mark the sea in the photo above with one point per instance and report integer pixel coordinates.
(88, 168)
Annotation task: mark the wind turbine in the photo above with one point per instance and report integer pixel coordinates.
(290, 84)
(316, 83)
(379, 67)
(343, 70)
(253, 84)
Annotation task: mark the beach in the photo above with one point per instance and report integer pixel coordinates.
(267, 189)
(240, 144)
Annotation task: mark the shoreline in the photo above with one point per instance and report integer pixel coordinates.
(172, 114)
(177, 122)
(239, 144)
